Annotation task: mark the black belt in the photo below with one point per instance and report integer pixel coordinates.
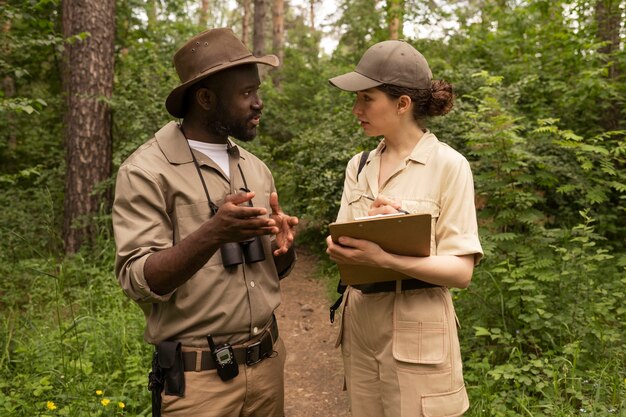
(390, 286)
(249, 353)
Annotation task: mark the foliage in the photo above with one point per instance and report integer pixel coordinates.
(555, 288)
(543, 321)
(73, 335)
(30, 149)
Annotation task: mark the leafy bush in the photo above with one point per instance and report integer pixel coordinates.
(75, 334)
(545, 301)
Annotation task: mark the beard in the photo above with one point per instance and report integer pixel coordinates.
(224, 123)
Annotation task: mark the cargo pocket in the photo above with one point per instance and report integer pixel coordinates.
(448, 404)
(420, 342)
(420, 334)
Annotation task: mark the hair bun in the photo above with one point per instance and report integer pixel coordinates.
(442, 98)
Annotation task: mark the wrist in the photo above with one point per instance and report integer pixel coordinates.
(206, 237)
(388, 261)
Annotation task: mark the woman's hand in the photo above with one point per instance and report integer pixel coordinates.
(354, 251)
(383, 205)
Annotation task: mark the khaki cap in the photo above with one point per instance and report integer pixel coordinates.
(205, 54)
(388, 62)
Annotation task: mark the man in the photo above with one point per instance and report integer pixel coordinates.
(202, 241)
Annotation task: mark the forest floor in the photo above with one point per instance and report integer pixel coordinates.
(314, 369)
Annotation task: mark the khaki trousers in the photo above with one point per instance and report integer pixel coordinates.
(401, 354)
(258, 391)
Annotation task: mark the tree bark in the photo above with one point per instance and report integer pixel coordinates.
(608, 20)
(204, 13)
(278, 38)
(312, 15)
(8, 86)
(258, 37)
(151, 13)
(395, 12)
(278, 20)
(245, 22)
(88, 82)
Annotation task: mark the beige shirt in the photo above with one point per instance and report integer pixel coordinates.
(159, 200)
(434, 179)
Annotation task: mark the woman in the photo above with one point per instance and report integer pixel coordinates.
(399, 340)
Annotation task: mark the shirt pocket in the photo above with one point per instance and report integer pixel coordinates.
(187, 219)
(421, 328)
(425, 206)
(359, 203)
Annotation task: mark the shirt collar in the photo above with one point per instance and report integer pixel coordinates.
(422, 150)
(174, 145)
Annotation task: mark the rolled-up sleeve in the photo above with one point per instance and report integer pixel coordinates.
(348, 185)
(457, 228)
(141, 227)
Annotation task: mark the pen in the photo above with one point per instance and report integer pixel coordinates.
(372, 199)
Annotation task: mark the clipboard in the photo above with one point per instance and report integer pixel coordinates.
(406, 234)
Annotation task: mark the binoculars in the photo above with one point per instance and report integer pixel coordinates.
(235, 253)
(250, 251)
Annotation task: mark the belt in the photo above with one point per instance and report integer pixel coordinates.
(249, 354)
(390, 286)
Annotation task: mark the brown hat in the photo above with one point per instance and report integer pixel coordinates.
(205, 54)
(389, 62)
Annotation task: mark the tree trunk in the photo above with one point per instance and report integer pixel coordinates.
(245, 22)
(204, 13)
(312, 15)
(88, 83)
(395, 13)
(278, 38)
(8, 86)
(278, 20)
(258, 37)
(608, 19)
(151, 13)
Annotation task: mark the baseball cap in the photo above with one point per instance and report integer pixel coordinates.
(392, 62)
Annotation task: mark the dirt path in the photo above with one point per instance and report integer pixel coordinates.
(314, 370)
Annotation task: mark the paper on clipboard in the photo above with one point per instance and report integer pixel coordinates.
(407, 235)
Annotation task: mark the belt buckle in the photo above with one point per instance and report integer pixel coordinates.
(252, 351)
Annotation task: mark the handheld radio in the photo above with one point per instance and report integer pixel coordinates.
(224, 358)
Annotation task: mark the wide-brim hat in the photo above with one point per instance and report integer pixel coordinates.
(205, 54)
(392, 62)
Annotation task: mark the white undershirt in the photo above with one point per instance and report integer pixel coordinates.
(216, 151)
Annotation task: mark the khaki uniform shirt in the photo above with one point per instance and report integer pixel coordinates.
(421, 367)
(159, 200)
(434, 179)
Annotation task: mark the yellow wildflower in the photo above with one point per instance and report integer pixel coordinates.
(99, 392)
(105, 401)
(121, 405)
(50, 405)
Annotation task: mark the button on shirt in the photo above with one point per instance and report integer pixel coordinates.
(159, 200)
(434, 179)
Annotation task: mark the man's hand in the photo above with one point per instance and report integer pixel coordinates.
(235, 222)
(285, 225)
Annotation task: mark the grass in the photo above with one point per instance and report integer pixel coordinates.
(71, 341)
(71, 345)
